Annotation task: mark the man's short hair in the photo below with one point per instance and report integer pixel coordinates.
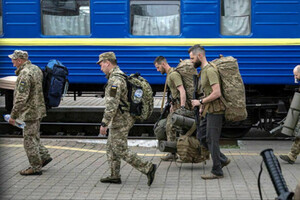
(197, 48)
(19, 54)
(159, 60)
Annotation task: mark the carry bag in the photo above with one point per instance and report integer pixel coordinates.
(232, 88)
(186, 69)
(190, 150)
(140, 96)
(55, 83)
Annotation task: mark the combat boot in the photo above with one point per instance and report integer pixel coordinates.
(226, 163)
(45, 162)
(111, 179)
(286, 159)
(151, 174)
(169, 157)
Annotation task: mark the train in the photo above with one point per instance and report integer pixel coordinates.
(263, 35)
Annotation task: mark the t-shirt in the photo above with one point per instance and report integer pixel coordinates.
(174, 80)
(209, 77)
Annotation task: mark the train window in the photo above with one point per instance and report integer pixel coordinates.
(65, 17)
(1, 27)
(160, 17)
(235, 17)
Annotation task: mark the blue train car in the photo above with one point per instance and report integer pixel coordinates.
(264, 35)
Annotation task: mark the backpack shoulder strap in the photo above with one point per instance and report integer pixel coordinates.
(164, 94)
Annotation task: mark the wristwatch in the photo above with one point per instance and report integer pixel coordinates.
(182, 107)
(201, 101)
(103, 124)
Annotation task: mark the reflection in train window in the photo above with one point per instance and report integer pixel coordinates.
(235, 17)
(65, 17)
(155, 17)
(1, 26)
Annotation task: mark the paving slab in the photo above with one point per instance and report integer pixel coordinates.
(78, 165)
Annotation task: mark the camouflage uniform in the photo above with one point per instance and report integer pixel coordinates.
(29, 107)
(119, 125)
(295, 149)
(173, 81)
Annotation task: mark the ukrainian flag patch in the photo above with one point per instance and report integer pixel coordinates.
(113, 91)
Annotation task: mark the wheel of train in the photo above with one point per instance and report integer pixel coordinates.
(234, 132)
(236, 129)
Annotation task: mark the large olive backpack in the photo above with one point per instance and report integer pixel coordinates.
(232, 88)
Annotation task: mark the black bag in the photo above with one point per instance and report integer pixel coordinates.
(55, 83)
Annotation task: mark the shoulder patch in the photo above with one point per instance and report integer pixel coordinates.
(113, 91)
(22, 86)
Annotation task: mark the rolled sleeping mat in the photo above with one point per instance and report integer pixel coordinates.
(292, 116)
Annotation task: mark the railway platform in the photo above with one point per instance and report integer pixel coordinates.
(78, 165)
(86, 111)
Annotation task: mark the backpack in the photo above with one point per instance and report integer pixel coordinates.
(140, 96)
(190, 150)
(232, 88)
(55, 83)
(186, 69)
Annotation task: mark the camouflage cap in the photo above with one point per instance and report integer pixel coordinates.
(19, 54)
(106, 56)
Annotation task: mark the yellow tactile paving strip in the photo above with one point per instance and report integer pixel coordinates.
(141, 154)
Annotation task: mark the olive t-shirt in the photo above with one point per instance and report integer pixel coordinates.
(174, 80)
(209, 77)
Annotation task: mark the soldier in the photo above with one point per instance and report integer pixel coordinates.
(295, 149)
(178, 98)
(119, 123)
(29, 106)
(211, 125)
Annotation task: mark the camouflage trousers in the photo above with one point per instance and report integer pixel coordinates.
(34, 149)
(295, 149)
(117, 149)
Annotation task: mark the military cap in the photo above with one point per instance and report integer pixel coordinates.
(19, 54)
(106, 56)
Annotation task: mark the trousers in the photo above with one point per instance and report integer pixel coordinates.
(295, 149)
(117, 149)
(209, 136)
(35, 150)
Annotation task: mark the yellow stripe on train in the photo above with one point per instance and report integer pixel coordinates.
(148, 41)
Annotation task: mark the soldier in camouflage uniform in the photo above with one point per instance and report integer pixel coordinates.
(211, 125)
(295, 149)
(178, 98)
(119, 121)
(29, 107)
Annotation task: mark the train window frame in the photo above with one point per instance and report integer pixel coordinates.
(82, 13)
(226, 31)
(155, 2)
